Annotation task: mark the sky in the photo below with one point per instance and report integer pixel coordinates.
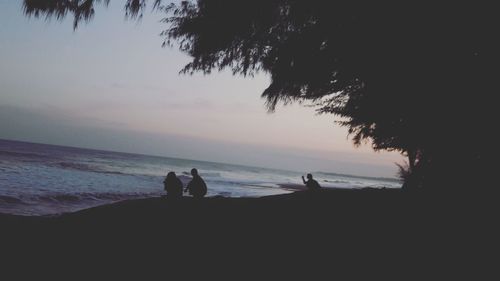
(110, 85)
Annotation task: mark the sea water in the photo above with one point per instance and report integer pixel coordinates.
(40, 179)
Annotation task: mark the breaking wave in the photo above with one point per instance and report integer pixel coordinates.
(73, 197)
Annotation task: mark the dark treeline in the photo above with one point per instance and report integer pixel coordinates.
(414, 78)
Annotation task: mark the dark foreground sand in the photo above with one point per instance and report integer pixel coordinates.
(364, 232)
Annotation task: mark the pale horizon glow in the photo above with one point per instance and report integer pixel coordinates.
(109, 85)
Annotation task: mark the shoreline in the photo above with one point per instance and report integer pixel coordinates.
(294, 191)
(215, 233)
(55, 204)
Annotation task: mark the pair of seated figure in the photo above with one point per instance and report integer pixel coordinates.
(198, 189)
(174, 187)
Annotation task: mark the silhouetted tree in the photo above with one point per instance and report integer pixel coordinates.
(415, 78)
(81, 10)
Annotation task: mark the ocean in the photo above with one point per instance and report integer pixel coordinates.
(41, 179)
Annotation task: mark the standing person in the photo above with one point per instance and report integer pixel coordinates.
(196, 186)
(310, 183)
(173, 186)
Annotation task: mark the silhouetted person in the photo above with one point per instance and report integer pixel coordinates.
(196, 186)
(311, 184)
(173, 186)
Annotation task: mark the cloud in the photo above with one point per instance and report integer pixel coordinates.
(194, 104)
(62, 128)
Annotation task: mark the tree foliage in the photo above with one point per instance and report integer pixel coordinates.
(81, 10)
(411, 78)
(415, 78)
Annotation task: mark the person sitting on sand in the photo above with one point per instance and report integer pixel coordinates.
(196, 186)
(173, 186)
(310, 183)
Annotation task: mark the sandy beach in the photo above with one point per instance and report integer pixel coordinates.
(302, 228)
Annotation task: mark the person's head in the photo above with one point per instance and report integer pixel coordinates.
(171, 175)
(194, 172)
(309, 176)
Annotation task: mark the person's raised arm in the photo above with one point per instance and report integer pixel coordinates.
(303, 180)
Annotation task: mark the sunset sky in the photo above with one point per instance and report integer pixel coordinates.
(110, 85)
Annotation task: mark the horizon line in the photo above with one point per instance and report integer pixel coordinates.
(199, 160)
